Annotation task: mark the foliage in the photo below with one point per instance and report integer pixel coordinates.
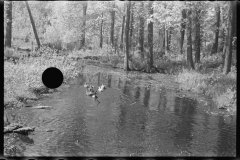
(22, 78)
(59, 25)
(216, 85)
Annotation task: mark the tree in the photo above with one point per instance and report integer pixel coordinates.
(215, 44)
(182, 31)
(229, 38)
(123, 22)
(166, 39)
(141, 31)
(189, 40)
(101, 32)
(163, 46)
(8, 41)
(132, 22)
(150, 37)
(169, 38)
(197, 35)
(126, 66)
(112, 12)
(84, 5)
(33, 24)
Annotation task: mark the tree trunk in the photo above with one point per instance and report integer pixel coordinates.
(215, 44)
(112, 25)
(166, 40)
(33, 24)
(197, 36)
(123, 22)
(126, 66)
(141, 32)
(101, 32)
(8, 40)
(163, 46)
(159, 36)
(84, 24)
(150, 38)
(189, 40)
(183, 26)
(131, 28)
(169, 38)
(229, 40)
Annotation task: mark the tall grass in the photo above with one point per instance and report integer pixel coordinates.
(222, 88)
(21, 79)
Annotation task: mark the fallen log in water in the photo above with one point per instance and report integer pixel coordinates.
(11, 127)
(18, 128)
(42, 107)
(24, 130)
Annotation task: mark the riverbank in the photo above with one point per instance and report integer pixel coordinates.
(130, 100)
(23, 84)
(22, 80)
(207, 79)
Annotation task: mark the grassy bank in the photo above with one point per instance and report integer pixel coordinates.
(208, 79)
(22, 80)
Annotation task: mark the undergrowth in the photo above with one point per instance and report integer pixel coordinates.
(211, 82)
(23, 78)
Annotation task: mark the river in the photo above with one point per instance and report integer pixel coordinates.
(127, 119)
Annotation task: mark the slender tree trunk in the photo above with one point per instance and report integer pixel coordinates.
(112, 25)
(84, 24)
(33, 25)
(131, 28)
(197, 36)
(150, 38)
(183, 26)
(159, 36)
(169, 38)
(189, 40)
(166, 40)
(163, 46)
(141, 31)
(8, 40)
(229, 40)
(116, 40)
(123, 22)
(101, 32)
(126, 66)
(215, 44)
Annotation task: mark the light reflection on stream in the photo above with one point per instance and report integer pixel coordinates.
(130, 120)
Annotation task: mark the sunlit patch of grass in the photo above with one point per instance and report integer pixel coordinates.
(22, 78)
(227, 99)
(222, 88)
(192, 80)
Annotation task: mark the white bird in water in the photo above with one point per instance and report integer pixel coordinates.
(101, 88)
(86, 85)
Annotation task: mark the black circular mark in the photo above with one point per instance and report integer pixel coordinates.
(52, 77)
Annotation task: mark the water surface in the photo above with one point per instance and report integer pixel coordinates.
(130, 120)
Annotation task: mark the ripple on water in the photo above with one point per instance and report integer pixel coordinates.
(129, 120)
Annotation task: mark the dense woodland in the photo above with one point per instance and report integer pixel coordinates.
(194, 40)
(146, 30)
